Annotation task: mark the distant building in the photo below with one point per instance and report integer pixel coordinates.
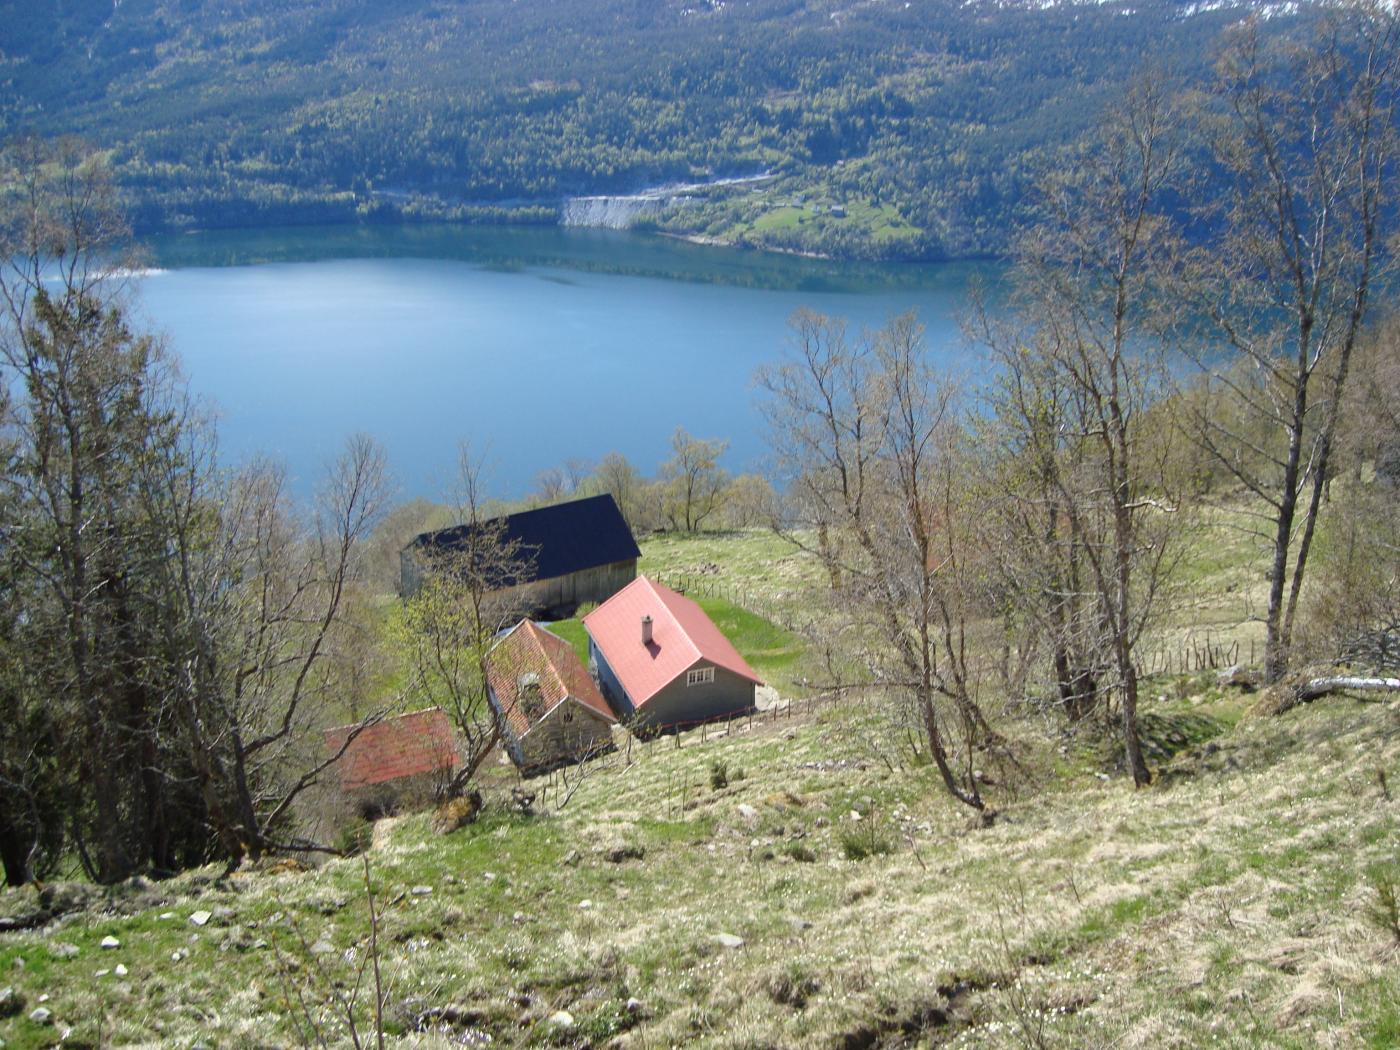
(551, 712)
(398, 761)
(582, 551)
(662, 662)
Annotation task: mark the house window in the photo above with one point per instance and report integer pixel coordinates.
(700, 676)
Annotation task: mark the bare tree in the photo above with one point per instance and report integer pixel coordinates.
(469, 594)
(864, 432)
(1079, 382)
(266, 608)
(617, 476)
(1306, 135)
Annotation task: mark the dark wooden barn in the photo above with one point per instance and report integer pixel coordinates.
(581, 551)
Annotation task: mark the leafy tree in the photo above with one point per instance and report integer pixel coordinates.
(693, 483)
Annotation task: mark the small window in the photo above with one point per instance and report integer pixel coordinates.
(700, 676)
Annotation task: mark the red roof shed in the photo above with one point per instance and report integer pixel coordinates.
(408, 745)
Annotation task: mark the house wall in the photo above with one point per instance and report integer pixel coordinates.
(555, 742)
(608, 683)
(557, 596)
(680, 704)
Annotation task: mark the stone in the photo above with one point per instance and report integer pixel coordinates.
(561, 1019)
(571, 858)
(63, 950)
(457, 813)
(634, 1006)
(489, 876)
(102, 973)
(41, 1015)
(11, 1002)
(421, 891)
(748, 814)
(585, 904)
(224, 913)
(167, 915)
(18, 964)
(799, 924)
(618, 853)
(201, 918)
(322, 947)
(120, 970)
(518, 918)
(1243, 678)
(109, 942)
(728, 940)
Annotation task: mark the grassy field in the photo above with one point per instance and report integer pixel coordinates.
(1239, 902)
(792, 882)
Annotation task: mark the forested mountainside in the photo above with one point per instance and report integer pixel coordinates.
(921, 121)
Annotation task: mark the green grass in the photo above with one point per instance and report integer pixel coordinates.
(1234, 901)
(572, 631)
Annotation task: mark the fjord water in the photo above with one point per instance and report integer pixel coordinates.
(537, 345)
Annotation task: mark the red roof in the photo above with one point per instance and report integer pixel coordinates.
(682, 636)
(528, 649)
(405, 746)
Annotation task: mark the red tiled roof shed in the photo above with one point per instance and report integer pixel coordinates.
(405, 746)
(529, 649)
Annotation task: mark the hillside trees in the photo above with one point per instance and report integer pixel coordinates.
(87, 417)
(867, 439)
(167, 641)
(1078, 379)
(1306, 135)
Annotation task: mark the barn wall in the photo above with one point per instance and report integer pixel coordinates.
(679, 704)
(557, 596)
(555, 741)
(561, 595)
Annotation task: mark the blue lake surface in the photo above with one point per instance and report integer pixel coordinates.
(536, 345)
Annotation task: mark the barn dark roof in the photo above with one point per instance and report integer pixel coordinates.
(562, 539)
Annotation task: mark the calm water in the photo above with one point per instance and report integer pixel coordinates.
(536, 345)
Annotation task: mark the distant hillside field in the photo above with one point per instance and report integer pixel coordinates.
(892, 130)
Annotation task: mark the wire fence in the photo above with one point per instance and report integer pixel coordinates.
(693, 586)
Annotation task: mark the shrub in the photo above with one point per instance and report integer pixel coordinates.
(719, 775)
(1385, 908)
(864, 840)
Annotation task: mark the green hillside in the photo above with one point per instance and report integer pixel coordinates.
(1240, 902)
(922, 121)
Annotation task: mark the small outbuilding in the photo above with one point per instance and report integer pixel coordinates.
(402, 760)
(580, 551)
(663, 663)
(550, 710)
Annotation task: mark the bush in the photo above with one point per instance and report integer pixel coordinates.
(719, 775)
(865, 840)
(1384, 911)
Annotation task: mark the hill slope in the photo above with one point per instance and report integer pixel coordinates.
(1235, 903)
(921, 119)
